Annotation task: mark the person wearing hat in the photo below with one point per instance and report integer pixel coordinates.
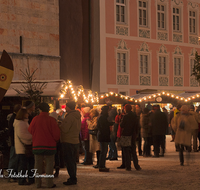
(30, 107)
(45, 133)
(70, 129)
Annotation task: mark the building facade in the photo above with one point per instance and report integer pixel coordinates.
(148, 44)
(29, 32)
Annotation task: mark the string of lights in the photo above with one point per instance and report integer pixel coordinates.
(78, 95)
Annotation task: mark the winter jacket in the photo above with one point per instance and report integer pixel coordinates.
(30, 117)
(175, 112)
(21, 135)
(70, 127)
(112, 114)
(145, 125)
(94, 144)
(103, 126)
(84, 128)
(129, 125)
(183, 135)
(197, 119)
(46, 133)
(118, 120)
(159, 123)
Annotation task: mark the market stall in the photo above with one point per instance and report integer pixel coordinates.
(167, 99)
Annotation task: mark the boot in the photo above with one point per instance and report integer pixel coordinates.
(57, 172)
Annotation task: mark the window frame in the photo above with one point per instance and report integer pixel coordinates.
(175, 14)
(147, 12)
(166, 66)
(125, 11)
(148, 64)
(165, 16)
(196, 22)
(181, 66)
(126, 61)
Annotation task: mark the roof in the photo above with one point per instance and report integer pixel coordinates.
(184, 96)
(52, 89)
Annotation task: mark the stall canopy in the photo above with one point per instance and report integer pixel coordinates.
(52, 88)
(166, 95)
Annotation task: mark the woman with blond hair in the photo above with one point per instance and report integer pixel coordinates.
(22, 138)
(92, 126)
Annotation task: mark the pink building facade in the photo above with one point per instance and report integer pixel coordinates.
(148, 44)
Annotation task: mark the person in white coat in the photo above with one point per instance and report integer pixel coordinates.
(22, 136)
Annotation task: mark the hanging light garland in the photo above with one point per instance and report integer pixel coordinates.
(169, 95)
(113, 94)
(67, 89)
(78, 93)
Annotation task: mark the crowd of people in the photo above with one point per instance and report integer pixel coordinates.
(53, 137)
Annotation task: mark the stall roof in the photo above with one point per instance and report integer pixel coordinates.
(52, 89)
(188, 94)
(185, 96)
(140, 96)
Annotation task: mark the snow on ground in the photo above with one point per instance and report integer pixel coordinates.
(164, 173)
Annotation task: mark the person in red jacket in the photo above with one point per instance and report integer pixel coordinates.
(45, 133)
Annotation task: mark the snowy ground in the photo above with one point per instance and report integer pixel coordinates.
(157, 173)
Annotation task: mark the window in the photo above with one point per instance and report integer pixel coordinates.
(192, 22)
(162, 65)
(120, 11)
(161, 16)
(144, 65)
(143, 13)
(176, 19)
(192, 61)
(177, 66)
(121, 63)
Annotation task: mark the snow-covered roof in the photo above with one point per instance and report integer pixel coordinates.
(52, 89)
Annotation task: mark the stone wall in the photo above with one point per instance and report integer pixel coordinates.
(37, 22)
